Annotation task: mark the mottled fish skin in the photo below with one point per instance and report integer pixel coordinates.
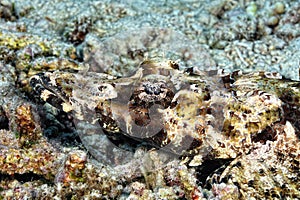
(187, 112)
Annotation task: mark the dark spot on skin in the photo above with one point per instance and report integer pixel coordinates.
(201, 111)
(251, 183)
(237, 185)
(268, 134)
(272, 169)
(247, 111)
(206, 97)
(237, 164)
(195, 143)
(261, 171)
(101, 88)
(283, 186)
(244, 116)
(209, 110)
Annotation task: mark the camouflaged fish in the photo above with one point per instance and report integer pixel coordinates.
(188, 112)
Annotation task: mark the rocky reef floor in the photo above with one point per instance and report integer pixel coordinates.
(83, 83)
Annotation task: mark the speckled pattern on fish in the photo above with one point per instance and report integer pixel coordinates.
(190, 113)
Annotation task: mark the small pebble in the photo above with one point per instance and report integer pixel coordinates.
(279, 8)
(251, 9)
(272, 21)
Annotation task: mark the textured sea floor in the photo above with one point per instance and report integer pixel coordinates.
(42, 155)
